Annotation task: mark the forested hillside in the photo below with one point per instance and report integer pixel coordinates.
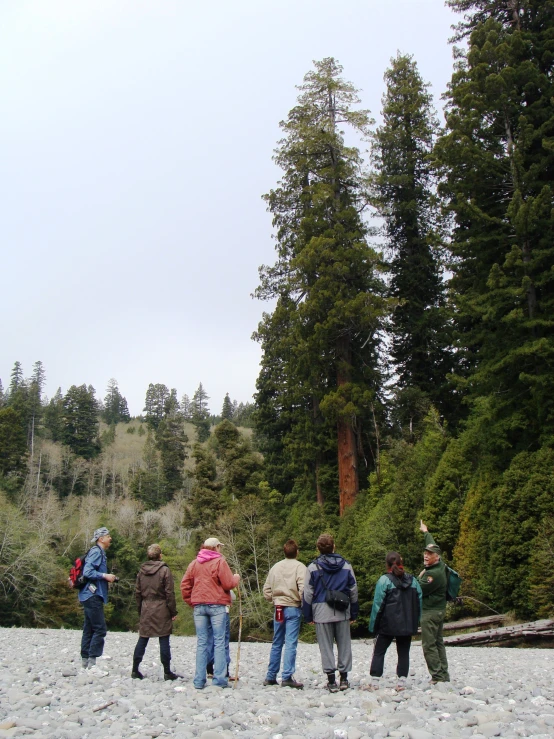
(407, 360)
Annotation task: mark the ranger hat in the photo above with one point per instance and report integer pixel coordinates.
(213, 542)
(434, 548)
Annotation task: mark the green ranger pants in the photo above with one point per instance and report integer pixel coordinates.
(433, 645)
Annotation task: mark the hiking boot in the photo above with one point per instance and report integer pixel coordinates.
(291, 683)
(332, 687)
(267, 681)
(137, 675)
(344, 684)
(170, 675)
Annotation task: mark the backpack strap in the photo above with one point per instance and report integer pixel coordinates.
(326, 585)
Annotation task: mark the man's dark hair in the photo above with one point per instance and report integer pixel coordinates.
(290, 549)
(325, 544)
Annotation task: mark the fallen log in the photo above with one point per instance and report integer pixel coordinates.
(543, 629)
(470, 623)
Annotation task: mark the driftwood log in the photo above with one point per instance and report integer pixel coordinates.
(543, 629)
(471, 623)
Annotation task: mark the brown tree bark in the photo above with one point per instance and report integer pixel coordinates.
(346, 438)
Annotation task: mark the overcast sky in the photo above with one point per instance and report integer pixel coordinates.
(136, 139)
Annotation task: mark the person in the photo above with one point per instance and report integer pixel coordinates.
(284, 587)
(206, 587)
(157, 610)
(395, 615)
(432, 580)
(210, 647)
(93, 597)
(331, 572)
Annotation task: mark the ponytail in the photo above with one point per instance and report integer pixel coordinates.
(395, 564)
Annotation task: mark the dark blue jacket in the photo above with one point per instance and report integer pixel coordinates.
(339, 576)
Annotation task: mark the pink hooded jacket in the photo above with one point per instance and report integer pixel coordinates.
(208, 580)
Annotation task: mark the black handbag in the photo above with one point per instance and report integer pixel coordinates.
(336, 599)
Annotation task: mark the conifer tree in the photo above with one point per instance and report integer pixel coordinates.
(13, 445)
(115, 405)
(497, 157)
(2, 395)
(155, 404)
(172, 406)
(403, 193)
(201, 413)
(227, 409)
(326, 276)
(80, 421)
(171, 441)
(53, 416)
(186, 408)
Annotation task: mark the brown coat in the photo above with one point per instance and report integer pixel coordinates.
(155, 599)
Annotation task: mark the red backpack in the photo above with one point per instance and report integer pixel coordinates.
(76, 577)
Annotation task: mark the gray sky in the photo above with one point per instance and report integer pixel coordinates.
(136, 141)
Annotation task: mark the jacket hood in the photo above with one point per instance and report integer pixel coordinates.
(151, 567)
(403, 582)
(205, 555)
(330, 562)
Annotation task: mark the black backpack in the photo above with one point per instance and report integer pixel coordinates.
(76, 577)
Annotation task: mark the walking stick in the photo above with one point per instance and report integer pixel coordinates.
(240, 634)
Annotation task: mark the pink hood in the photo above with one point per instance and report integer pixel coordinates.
(204, 555)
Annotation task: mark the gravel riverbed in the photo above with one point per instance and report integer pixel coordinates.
(44, 693)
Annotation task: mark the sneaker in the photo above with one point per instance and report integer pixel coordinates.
(170, 676)
(84, 663)
(344, 684)
(332, 687)
(267, 681)
(96, 671)
(291, 683)
(137, 675)
(401, 684)
(232, 679)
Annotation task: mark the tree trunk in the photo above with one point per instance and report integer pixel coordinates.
(317, 423)
(347, 452)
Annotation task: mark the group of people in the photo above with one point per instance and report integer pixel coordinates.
(325, 594)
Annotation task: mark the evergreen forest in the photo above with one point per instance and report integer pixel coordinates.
(407, 364)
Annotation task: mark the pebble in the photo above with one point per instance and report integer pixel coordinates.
(44, 694)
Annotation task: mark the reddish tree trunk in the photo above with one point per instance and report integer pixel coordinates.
(347, 449)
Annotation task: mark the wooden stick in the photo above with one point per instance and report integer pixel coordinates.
(240, 635)
(104, 705)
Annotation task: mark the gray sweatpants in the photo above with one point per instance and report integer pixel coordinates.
(338, 631)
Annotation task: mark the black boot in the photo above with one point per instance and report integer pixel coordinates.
(210, 669)
(168, 675)
(332, 686)
(136, 672)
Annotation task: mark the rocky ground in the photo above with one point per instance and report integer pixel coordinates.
(43, 693)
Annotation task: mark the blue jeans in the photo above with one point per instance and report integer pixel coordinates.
(285, 632)
(227, 640)
(94, 628)
(216, 617)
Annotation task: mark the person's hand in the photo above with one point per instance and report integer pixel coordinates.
(173, 618)
(110, 578)
(423, 527)
(353, 623)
